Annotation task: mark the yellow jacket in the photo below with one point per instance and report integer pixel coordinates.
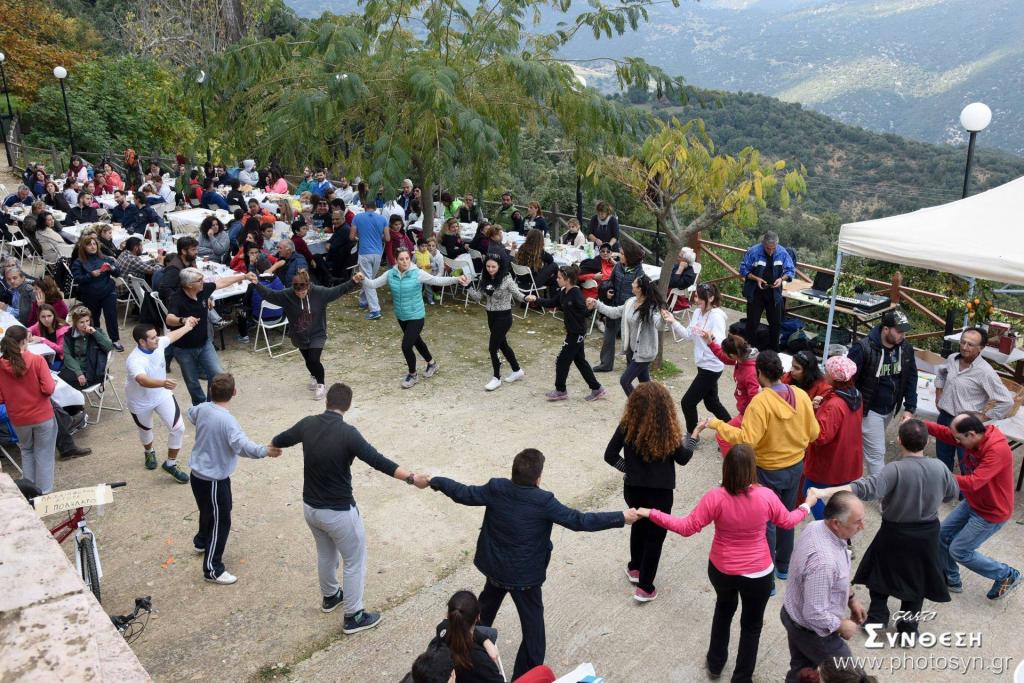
(778, 432)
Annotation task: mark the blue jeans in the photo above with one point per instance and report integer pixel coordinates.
(784, 483)
(961, 534)
(943, 451)
(193, 361)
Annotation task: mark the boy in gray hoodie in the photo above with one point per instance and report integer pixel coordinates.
(219, 442)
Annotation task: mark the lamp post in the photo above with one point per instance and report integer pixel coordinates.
(975, 118)
(60, 73)
(200, 79)
(10, 112)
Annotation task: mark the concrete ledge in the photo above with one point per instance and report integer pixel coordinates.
(51, 627)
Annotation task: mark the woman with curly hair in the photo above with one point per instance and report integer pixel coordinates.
(740, 565)
(646, 446)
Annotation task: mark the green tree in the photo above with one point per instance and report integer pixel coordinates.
(437, 87)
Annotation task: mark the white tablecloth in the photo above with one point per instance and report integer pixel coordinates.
(189, 220)
(213, 271)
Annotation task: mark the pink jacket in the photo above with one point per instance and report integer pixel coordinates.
(745, 376)
(739, 546)
(58, 346)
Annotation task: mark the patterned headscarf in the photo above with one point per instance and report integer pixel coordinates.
(840, 368)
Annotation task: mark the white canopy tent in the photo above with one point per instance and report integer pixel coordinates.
(981, 236)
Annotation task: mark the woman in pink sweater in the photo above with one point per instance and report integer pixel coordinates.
(740, 565)
(737, 352)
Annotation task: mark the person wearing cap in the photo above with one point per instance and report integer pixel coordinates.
(765, 268)
(834, 458)
(887, 379)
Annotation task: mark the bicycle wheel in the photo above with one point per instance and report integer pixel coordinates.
(90, 575)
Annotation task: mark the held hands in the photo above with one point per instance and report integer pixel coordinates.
(358, 278)
(421, 481)
(643, 512)
(273, 451)
(701, 426)
(530, 298)
(666, 316)
(857, 611)
(630, 515)
(591, 304)
(170, 383)
(706, 335)
(190, 322)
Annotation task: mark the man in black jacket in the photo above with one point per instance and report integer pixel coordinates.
(514, 547)
(83, 212)
(887, 379)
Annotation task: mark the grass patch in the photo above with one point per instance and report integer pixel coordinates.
(273, 672)
(667, 370)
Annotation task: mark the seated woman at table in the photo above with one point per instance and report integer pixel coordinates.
(534, 219)
(257, 211)
(276, 183)
(50, 329)
(540, 262)
(213, 240)
(85, 351)
(111, 179)
(806, 374)
(105, 236)
(396, 226)
(285, 211)
(49, 237)
(252, 259)
(38, 186)
(683, 276)
(54, 198)
(573, 236)
(451, 240)
(46, 292)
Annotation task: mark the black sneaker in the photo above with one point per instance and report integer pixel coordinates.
(360, 621)
(330, 603)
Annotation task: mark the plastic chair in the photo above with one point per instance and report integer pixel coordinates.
(519, 271)
(128, 299)
(262, 326)
(100, 389)
(591, 284)
(686, 294)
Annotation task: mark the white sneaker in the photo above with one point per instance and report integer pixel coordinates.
(409, 381)
(312, 383)
(515, 376)
(318, 394)
(225, 579)
(493, 384)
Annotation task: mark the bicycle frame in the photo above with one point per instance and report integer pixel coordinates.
(76, 524)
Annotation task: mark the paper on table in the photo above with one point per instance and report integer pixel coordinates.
(585, 669)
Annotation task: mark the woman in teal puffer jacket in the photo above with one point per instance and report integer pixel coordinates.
(406, 282)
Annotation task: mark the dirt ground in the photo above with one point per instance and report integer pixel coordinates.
(420, 544)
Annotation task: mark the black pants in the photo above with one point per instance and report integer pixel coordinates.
(411, 330)
(108, 306)
(634, 370)
(499, 323)
(529, 603)
(214, 501)
(807, 650)
(878, 612)
(71, 377)
(609, 343)
(763, 301)
(313, 364)
(645, 537)
(729, 590)
(573, 353)
(66, 424)
(704, 387)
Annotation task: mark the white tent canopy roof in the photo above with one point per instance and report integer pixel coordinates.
(981, 236)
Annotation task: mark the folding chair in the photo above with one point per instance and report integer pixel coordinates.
(128, 299)
(452, 266)
(21, 243)
(5, 422)
(590, 284)
(675, 294)
(519, 271)
(263, 326)
(100, 389)
(473, 254)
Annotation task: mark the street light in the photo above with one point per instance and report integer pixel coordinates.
(200, 79)
(975, 118)
(10, 113)
(60, 73)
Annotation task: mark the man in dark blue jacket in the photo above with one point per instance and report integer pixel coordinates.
(766, 267)
(514, 547)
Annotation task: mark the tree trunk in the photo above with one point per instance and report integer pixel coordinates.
(427, 200)
(233, 18)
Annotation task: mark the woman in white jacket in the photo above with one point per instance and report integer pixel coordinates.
(641, 323)
(707, 316)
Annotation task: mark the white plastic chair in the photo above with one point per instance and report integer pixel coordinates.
(517, 272)
(128, 299)
(675, 294)
(453, 265)
(100, 390)
(262, 326)
(591, 284)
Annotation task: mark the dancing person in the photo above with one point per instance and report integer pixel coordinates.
(618, 289)
(85, 351)
(708, 316)
(735, 351)
(814, 612)
(305, 306)
(370, 229)
(219, 443)
(765, 268)
(569, 300)
(497, 288)
(405, 281)
(329, 446)
(472, 648)
(25, 388)
(804, 372)
(903, 558)
(514, 546)
(987, 489)
(148, 392)
(647, 445)
(94, 274)
(835, 457)
(779, 423)
(740, 564)
(641, 323)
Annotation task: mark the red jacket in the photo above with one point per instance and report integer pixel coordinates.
(745, 376)
(836, 456)
(398, 239)
(819, 388)
(989, 487)
(27, 397)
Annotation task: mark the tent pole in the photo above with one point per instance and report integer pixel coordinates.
(832, 307)
(970, 295)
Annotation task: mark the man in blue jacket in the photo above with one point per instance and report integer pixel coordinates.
(514, 547)
(765, 268)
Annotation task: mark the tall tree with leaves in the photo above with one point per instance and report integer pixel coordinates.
(430, 87)
(688, 188)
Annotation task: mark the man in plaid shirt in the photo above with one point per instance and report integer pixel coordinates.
(130, 261)
(818, 592)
